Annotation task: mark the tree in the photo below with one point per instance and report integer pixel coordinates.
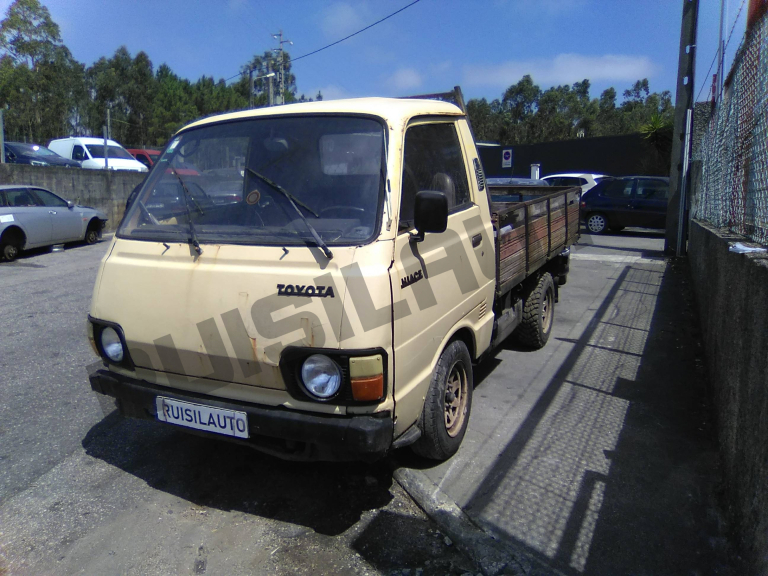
(40, 83)
(28, 34)
(173, 106)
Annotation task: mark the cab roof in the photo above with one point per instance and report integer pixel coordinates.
(392, 110)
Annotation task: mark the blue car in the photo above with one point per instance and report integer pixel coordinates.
(36, 155)
(634, 201)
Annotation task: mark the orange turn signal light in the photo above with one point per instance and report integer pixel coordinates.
(368, 389)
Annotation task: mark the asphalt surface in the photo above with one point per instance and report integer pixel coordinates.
(84, 491)
(595, 455)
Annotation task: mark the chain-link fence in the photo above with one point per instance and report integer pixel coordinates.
(734, 152)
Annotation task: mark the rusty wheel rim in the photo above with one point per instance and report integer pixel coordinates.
(546, 311)
(456, 400)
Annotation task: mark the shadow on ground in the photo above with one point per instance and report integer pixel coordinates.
(329, 498)
(615, 468)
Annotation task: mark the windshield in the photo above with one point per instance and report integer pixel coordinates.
(32, 150)
(247, 180)
(97, 151)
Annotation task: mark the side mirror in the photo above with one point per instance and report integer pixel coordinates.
(430, 214)
(70, 204)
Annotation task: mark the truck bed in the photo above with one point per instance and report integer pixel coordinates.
(532, 224)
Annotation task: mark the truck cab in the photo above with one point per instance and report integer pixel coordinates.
(335, 310)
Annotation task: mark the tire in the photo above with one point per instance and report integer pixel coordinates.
(444, 418)
(538, 314)
(597, 223)
(92, 233)
(10, 245)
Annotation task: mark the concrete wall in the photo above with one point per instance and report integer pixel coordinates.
(105, 190)
(732, 296)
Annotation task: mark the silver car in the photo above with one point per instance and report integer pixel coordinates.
(31, 217)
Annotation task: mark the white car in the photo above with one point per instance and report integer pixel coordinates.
(89, 152)
(586, 181)
(31, 217)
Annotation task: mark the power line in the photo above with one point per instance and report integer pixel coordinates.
(706, 76)
(355, 33)
(343, 39)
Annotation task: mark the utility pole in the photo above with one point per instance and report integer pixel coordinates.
(2, 138)
(681, 135)
(271, 84)
(281, 78)
(109, 124)
(106, 149)
(720, 54)
(250, 87)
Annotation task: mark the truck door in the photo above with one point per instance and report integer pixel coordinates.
(445, 277)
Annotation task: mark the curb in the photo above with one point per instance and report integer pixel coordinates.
(493, 557)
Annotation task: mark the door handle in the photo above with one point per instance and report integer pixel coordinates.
(477, 239)
(51, 211)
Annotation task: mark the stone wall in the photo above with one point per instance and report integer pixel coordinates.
(732, 297)
(105, 190)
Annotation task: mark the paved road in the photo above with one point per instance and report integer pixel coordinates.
(81, 492)
(595, 455)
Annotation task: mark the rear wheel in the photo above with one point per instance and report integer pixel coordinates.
(10, 245)
(447, 406)
(597, 223)
(538, 314)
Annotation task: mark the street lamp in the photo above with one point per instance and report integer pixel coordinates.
(251, 80)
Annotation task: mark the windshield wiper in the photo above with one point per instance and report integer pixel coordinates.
(192, 234)
(295, 202)
(282, 191)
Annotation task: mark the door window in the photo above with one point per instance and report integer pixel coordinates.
(21, 197)
(648, 189)
(433, 161)
(78, 153)
(2, 199)
(49, 199)
(618, 189)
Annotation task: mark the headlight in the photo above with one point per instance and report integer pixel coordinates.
(111, 344)
(321, 376)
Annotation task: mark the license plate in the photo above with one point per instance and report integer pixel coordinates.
(201, 417)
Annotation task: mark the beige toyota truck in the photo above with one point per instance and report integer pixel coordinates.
(317, 280)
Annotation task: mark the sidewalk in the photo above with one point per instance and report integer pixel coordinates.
(597, 455)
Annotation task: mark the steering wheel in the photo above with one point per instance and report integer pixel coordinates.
(354, 210)
(147, 214)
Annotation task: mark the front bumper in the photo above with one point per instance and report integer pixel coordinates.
(276, 430)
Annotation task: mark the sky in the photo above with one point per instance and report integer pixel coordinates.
(482, 45)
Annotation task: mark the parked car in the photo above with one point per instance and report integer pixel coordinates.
(90, 153)
(586, 181)
(145, 156)
(36, 155)
(628, 201)
(31, 217)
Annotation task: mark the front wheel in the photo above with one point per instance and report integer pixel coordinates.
(447, 406)
(597, 223)
(92, 234)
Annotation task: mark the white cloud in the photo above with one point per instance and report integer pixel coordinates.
(236, 5)
(330, 92)
(405, 79)
(550, 7)
(341, 19)
(562, 69)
